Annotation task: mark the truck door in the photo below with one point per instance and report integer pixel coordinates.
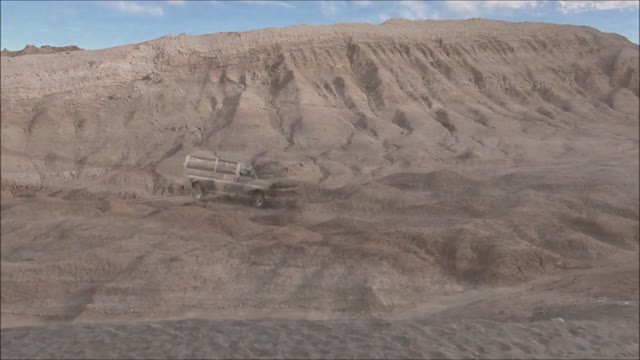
(245, 176)
(232, 184)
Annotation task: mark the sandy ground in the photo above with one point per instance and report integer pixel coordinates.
(582, 314)
(371, 339)
(465, 184)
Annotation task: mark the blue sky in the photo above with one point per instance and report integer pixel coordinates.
(101, 24)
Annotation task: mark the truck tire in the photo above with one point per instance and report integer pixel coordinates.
(257, 199)
(197, 190)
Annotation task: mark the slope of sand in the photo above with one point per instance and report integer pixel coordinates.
(551, 318)
(301, 339)
(438, 160)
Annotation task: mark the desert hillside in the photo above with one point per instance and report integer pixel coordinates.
(349, 101)
(34, 50)
(435, 156)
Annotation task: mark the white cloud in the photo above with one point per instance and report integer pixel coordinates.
(476, 8)
(409, 9)
(175, 2)
(382, 17)
(510, 4)
(463, 6)
(362, 3)
(414, 10)
(331, 8)
(579, 6)
(132, 7)
(268, 3)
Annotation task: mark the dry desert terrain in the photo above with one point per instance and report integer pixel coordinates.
(468, 189)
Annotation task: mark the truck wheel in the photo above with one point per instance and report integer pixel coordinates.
(197, 191)
(257, 199)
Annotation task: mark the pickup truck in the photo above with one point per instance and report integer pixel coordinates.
(209, 174)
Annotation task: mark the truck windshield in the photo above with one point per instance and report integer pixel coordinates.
(269, 170)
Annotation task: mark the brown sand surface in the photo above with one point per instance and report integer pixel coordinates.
(465, 185)
(582, 314)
